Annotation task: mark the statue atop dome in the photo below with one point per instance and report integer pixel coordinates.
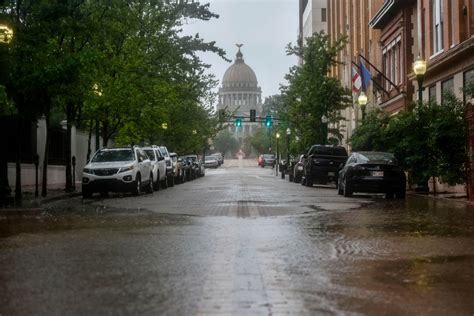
(239, 55)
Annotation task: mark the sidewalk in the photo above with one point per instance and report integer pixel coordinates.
(451, 197)
(31, 205)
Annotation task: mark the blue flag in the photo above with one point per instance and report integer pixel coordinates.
(366, 76)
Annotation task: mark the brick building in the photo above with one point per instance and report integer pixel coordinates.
(390, 34)
(351, 18)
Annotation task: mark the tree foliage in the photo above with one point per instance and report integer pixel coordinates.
(429, 140)
(313, 98)
(226, 143)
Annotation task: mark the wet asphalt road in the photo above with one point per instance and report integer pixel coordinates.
(240, 241)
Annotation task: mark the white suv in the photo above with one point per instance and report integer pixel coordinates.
(123, 169)
(158, 165)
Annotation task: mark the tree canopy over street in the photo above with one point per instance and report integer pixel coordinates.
(122, 68)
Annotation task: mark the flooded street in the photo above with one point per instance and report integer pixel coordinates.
(240, 241)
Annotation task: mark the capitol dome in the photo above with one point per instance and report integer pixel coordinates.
(239, 74)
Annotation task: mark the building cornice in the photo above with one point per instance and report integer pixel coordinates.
(377, 21)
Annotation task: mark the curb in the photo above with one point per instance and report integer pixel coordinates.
(446, 199)
(37, 209)
(60, 197)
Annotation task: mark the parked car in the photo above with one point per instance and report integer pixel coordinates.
(322, 164)
(298, 169)
(169, 166)
(124, 169)
(211, 162)
(194, 168)
(372, 172)
(178, 170)
(158, 165)
(198, 166)
(188, 168)
(267, 160)
(220, 158)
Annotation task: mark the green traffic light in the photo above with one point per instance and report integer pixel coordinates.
(268, 121)
(238, 122)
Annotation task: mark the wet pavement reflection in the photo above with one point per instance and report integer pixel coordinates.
(386, 257)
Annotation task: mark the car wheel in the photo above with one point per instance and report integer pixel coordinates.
(104, 194)
(156, 186)
(291, 178)
(149, 188)
(389, 195)
(308, 182)
(171, 181)
(346, 189)
(339, 189)
(137, 188)
(401, 193)
(86, 194)
(164, 184)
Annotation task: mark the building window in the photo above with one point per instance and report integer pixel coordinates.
(437, 27)
(447, 86)
(323, 15)
(432, 93)
(468, 79)
(392, 61)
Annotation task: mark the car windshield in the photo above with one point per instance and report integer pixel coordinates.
(164, 151)
(210, 158)
(377, 156)
(114, 155)
(150, 154)
(267, 156)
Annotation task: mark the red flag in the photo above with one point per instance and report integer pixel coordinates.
(356, 80)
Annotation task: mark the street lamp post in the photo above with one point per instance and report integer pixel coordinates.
(277, 153)
(362, 100)
(419, 68)
(324, 127)
(6, 36)
(288, 133)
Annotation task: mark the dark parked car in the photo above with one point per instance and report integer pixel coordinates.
(372, 172)
(197, 166)
(322, 164)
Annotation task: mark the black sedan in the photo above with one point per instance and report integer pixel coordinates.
(372, 172)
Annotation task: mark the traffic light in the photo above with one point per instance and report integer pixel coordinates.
(253, 115)
(268, 121)
(238, 122)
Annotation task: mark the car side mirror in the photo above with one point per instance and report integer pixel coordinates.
(161, 158)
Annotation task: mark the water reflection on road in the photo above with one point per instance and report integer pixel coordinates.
(391, 257)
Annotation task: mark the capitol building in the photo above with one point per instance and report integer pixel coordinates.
(239, 94)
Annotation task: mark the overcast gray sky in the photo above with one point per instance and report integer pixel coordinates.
(265, 27)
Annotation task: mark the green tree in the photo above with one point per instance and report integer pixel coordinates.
(428, 140)
(315, 99)
(226, 143)
(372, 133)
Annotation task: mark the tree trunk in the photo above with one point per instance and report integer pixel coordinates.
(4, 185)
(69, 118)
(44, 185)
(19, 138)
(89, 140)
(105, 138)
